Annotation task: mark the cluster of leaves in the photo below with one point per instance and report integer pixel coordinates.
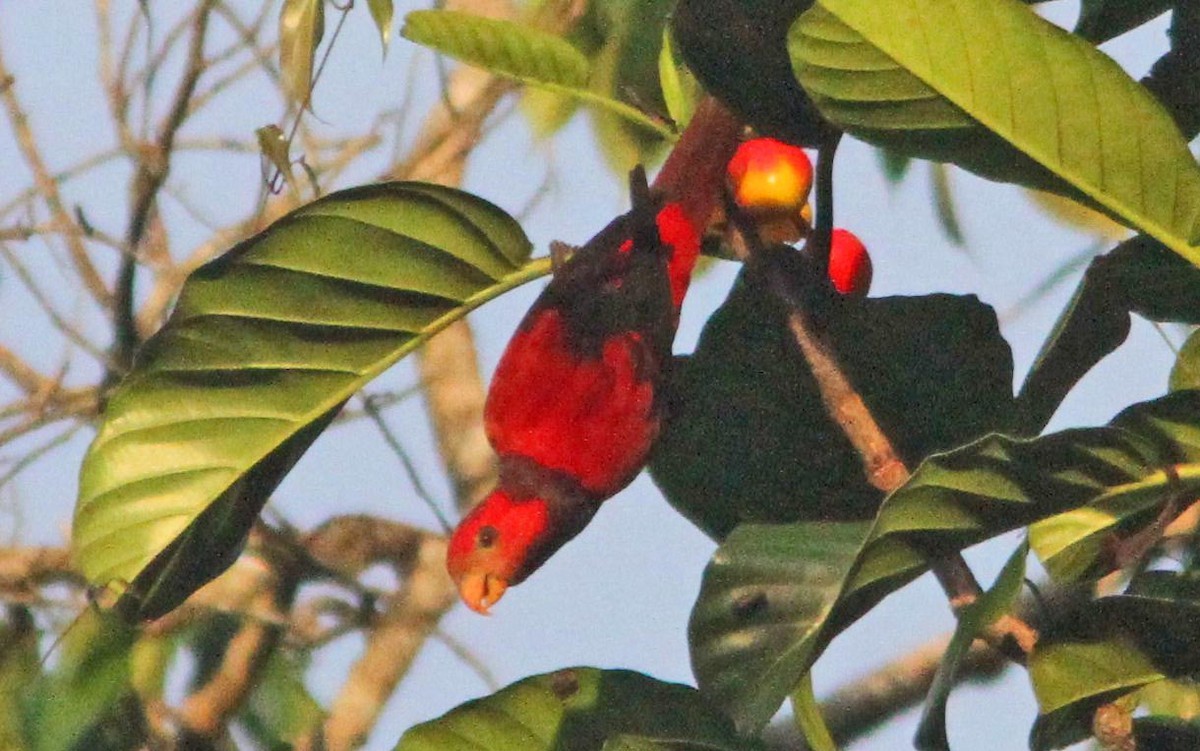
(249, 370)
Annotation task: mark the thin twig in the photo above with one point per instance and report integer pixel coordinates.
(152, 170)
(27, 144)
(371, 409)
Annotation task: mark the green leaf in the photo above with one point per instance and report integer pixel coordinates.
(679, 87)
(1185, 374)
(808, 717)
(382, 12)
(264, 346)
(1072, 679)
(1101, 20)
(281, 711)
(64, 709)
(972, 620)
(18, 667)
(1074, 544)
(895, 165)
(1090, 328)
(738, 51)
(1139, 276)
(528, 55)
(1166, 733)
(580, 709)
(500, 46)
(1149, 280)
(947, 212)
(1005, 94)
(301, 26)
(1153, 631)
(951, 502)
(934, 371)
(765, 596)
(273, 145)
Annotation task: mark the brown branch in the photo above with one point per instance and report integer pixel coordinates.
(392, 644)
(48, 188)
(858, 708)
(19, 372)
(882, 464)
(207, 711)
(153, 165)
(25, 570)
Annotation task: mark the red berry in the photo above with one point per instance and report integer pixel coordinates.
(770, 176)
(849, 264)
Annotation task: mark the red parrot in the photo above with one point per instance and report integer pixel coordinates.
(575, 403)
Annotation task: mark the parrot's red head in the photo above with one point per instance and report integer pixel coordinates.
(496, 546)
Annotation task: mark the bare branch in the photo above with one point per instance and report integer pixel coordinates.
(48, 188)
(152, 169)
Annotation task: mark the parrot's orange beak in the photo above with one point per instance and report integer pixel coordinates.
(480, 591)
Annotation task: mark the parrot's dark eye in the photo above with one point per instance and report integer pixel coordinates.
(488, 536)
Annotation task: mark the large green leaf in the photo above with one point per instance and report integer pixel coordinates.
(1185, 374)
(749, 439)
(580, 709)
(265, 345)
(994, 88)
(747, 659)
(18, 667)
(738, 50)
(68, 707)
(510, 49)
(1072, 679)
(1075, 544)
(1114, 645)
(765, 596)
(1138, 276)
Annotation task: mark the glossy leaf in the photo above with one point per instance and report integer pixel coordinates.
(382, 12)
(281, 711)
(1185, 374)
(531, 56)
(301, 26)
(1072, 679)
(1166, 733)
(64, 707)
(1138, 276)
(264, 346)
(18, 667)
(751, 441)
(748, 663)
(679, 87)
(766, 594)
(738, 51)
(1007, 95)
(972, 620)
(1101, 20)
(1139, 639)
(580, 709)
(1075, 544)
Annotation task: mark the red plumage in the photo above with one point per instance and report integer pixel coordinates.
(575, 404)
